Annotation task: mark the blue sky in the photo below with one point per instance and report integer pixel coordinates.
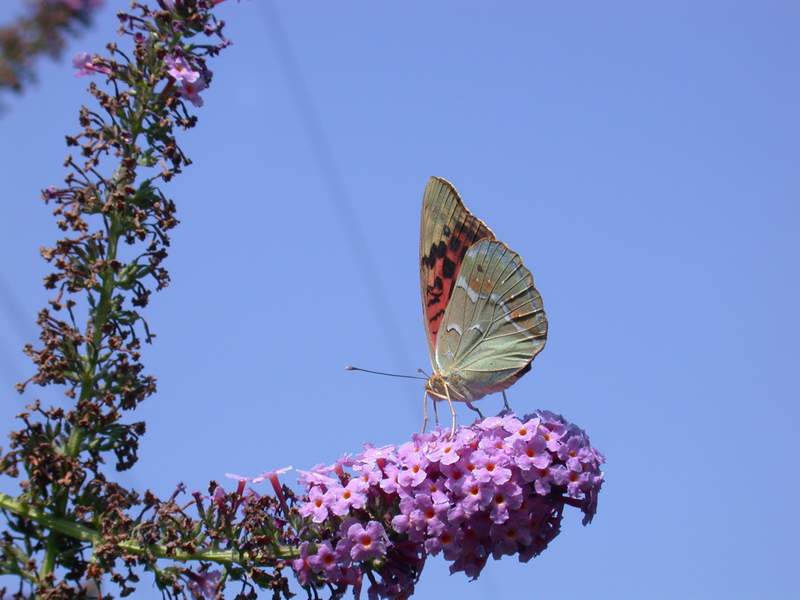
(643, 160)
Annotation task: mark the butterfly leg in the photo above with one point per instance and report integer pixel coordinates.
(476, 409)
(435, 410)
(505, 402)
(452, 412)
(424, 410)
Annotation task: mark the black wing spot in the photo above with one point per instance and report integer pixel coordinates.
(448, 268)
(438, 314)
(480, 269)
(446, 230)
(437, 283)
(436, 251)
(454, 244)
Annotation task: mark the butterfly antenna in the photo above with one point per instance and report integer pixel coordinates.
(424, 373)
(352, 368)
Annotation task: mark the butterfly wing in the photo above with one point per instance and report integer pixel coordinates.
(494, 324)
(447, 230)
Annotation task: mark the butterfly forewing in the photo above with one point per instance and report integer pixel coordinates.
(494, 324)
(447, 230)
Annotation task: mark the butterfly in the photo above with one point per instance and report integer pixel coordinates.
(484, 318)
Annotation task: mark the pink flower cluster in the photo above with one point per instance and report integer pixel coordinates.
(498, 487)
(191, 82)
(86, 64)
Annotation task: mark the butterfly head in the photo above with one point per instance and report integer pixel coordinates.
(437, 386)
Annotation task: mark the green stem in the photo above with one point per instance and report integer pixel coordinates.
(86, 534)
(135, 120)
(73, 445)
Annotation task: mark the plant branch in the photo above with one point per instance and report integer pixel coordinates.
(86, 534)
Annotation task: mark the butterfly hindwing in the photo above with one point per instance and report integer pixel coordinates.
(494, 324)
(447, 230)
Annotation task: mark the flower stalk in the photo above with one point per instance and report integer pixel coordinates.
(81, 532)
(92, 333)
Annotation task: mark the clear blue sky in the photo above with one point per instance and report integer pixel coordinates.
(643, 160)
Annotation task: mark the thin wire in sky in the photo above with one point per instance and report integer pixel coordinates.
(348, 219)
